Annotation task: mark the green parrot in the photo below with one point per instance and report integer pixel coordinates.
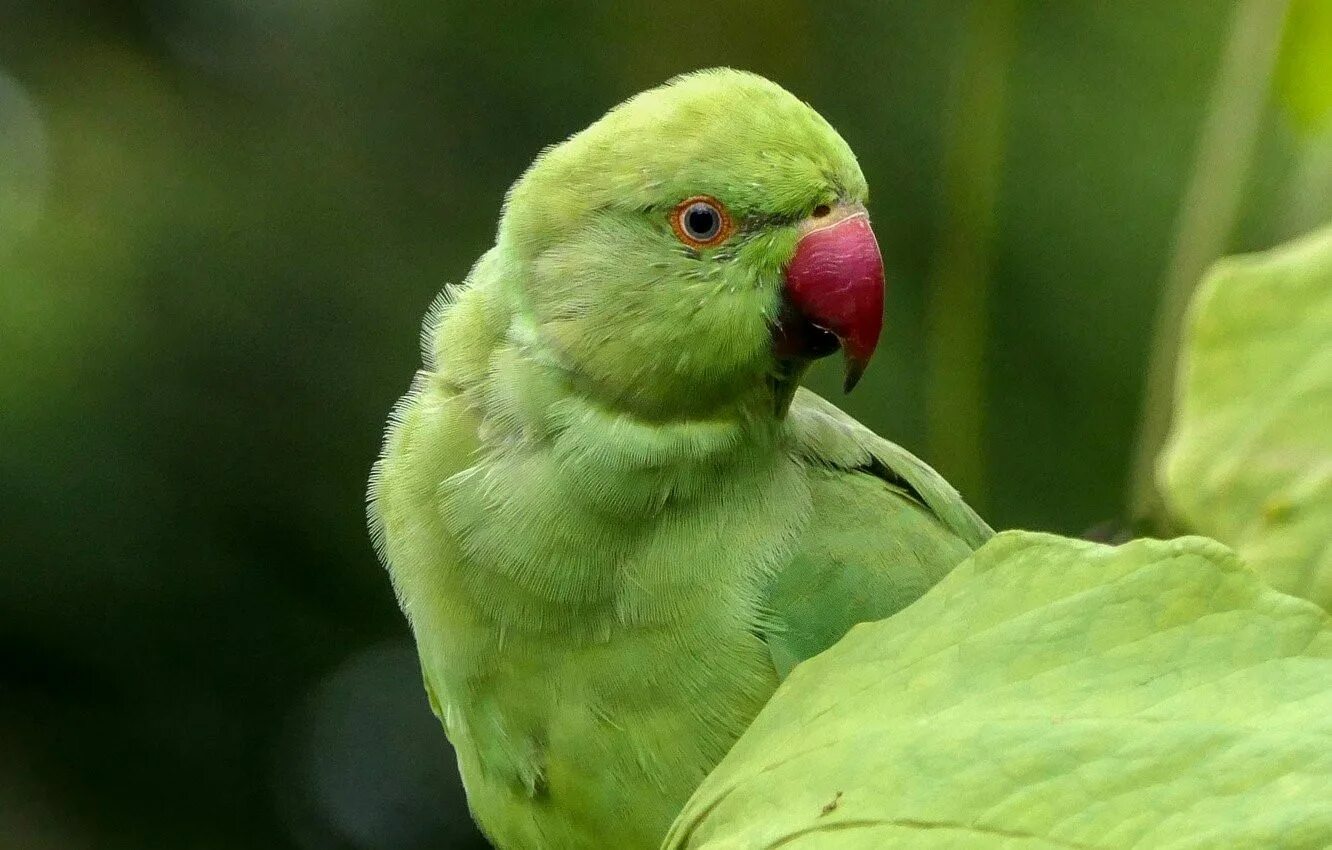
(611, 518)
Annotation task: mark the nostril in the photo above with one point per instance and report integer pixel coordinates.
(822, 210)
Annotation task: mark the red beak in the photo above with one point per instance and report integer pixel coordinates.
(834, 293)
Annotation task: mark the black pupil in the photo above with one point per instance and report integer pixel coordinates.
(702, 222)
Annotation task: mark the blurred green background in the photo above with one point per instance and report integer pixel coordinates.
(221, 221)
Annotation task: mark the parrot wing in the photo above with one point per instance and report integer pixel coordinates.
(885, 528)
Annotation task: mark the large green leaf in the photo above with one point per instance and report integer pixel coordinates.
(1048, 693)
(1249, 461)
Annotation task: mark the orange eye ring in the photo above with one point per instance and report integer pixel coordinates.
(701, 222)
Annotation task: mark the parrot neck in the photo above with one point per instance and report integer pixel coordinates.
(547, 384)
(553, 404)
(588, 513)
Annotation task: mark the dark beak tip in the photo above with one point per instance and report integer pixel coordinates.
(854, 372)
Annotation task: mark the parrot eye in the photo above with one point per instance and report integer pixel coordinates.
(701, 222)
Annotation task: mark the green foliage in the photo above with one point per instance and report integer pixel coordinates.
(1250, 458)
(1048, 693)
(1304, 72)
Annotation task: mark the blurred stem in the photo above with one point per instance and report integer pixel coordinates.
(1206, 218)
(1308, 192)
(957, 309)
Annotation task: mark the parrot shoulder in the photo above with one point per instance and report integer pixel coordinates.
(885, 528)
(827, 437)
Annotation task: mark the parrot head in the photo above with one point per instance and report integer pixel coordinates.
(701, 241)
